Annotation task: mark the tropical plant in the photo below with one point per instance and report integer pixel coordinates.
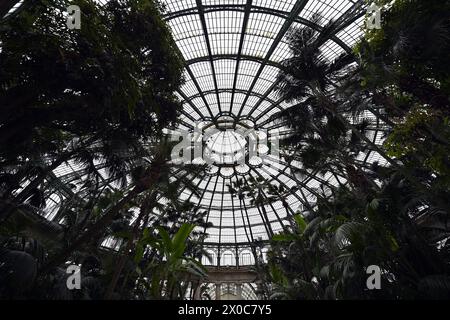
(326, 257)
(169, 275)
(393, 217)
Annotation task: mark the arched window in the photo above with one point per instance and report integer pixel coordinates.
(228, 258)
(246, 258)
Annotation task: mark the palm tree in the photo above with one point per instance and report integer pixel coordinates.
(326, 146)
(147, 178)
(411, 54)
(183, 215)
(309, 78)
(318, 86)
(254, 188)
(337, 242)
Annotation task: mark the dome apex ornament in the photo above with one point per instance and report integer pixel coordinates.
(224, 146)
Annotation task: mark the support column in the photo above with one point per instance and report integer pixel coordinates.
(239, 291)
(218, 285)
(260, 290)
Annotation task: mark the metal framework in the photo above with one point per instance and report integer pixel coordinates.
(233, 51)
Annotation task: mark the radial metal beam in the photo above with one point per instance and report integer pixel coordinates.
(244, 209)
(301, 183)
(301, 200)
(350, 16)
(208, 46)
(356, 11)
(196, 175)
(265, 97)
(241, 45)
(343, 23)
(194, 80)
(270, 203)
(298, 7)
(266, 222)
(234, 219)
(210, 203)
(197, 86)
(311, 176)
(193, 106)
(221, 213)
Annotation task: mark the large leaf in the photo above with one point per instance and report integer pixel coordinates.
(167, 243)
(196, 268)
(181, 236)
(346, 232)
(277, 275)
(284, 237)
(301, 223)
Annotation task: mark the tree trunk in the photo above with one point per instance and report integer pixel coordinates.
(269, 226)
(123, 257)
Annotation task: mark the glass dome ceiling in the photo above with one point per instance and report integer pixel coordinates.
(233, 50)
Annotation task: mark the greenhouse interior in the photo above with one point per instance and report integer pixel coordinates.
(224, 149)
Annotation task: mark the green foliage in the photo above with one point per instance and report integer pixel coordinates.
(331, 253)
(392, 217)
(174, 265)
(410, 51)
(96, 99)
(108, 86)
(412, 138)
